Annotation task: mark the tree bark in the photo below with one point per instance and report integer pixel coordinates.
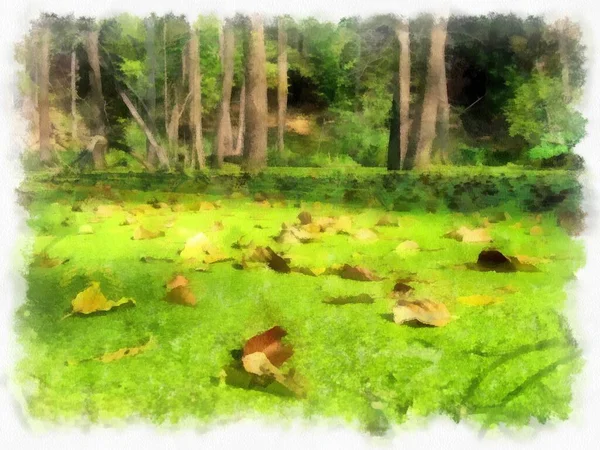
(166, 84)
(97, 105)
(224, 140)
(255, 140)
(239, 147)
(432, 95)
(160, 152)
(443, 117)
(44, 99)
(404, 87)
(74, 139)
(151, 92)
(196, 109)
(282, 83)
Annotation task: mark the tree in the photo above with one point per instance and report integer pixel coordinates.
(224, 140)
(282, 82)
(44, 98)
(432, 94)
(97, 105)
(255, 140)
(74, 137)
(239, 145)
(151, 87)
(196, 108)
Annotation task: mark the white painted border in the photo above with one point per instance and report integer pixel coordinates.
(580, 432)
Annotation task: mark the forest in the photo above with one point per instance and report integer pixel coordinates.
(161, 93)
(370, 221)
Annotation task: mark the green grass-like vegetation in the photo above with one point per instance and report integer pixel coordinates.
(504, 362)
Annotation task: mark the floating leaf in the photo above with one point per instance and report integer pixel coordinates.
(141, 233)
(178, 280)
(181, 295)
(86, 229)
(479, 300)
(266, 255)
(364, 234)
(407, 247)
(269, 343)
(305, 218)
(357, 273)
(121, 353)
(464, 234)
(349, 299)
(494, 260)
(92, 300)
(387, 221)
(536, 230)
(423, 311)
(195, 247)
(44, 261)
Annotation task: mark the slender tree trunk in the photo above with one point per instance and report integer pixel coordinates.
(166, 83)
(432, 94)
(151, 92)
(44, 99)
(160, 152)
(74, 139)
(443, 117)
(239, 147)
(255, 140)
(282, 83)
(97, 98)
(563, 29)
(224, 140)
(196, 109)
(404, 87)
(393, 159)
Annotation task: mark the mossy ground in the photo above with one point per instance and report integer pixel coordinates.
(505, 362)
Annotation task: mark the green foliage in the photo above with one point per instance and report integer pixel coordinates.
(208, 29)
(539, 113)
(547, 150)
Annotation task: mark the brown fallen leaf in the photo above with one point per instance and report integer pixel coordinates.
(92, 300)
(120, 354)
(178, 280)
(44, 261)
(269, 343)
(305, 218)
(494, 260)
(464, 234)
(479, 300)
(401, 288)
(293, 235)
(151, 259)
(349, 299)
(423, 311)
(106, 211)
(142, 233)
(129, 220)
(387, 221)
(357, 273)
(266, 255)
(206, 206)
(310, 271)
(536, 230)
(524, 259)
(181, 295)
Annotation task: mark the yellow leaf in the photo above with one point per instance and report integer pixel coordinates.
(86, 229)
(195, 247)
(479, 300)
(93, 300)
(126, 352)
(424, 311)
(141, 233)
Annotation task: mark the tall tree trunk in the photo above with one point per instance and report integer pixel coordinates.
(151, 92)
(404, 87)
(443, 117)
(224, 141)
(44, 99)
(393, 159)
(97, 105)
(282, 83)
(255, 140)
(563, 32)
(166, 84)
(432, 93)
(196, 109)
(74, 139)
(239, 146)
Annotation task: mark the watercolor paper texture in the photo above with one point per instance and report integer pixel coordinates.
(369, 221)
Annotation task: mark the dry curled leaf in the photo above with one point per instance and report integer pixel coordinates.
(129, 220)
(310, 271)
(305, 218)
(357, 273)
(269, 343)
(92, 300)
(479, 300)
(349, 299)
(423, 311)
(121, 353)
(178, 280)
(141, 233)
(44, 261)
(464, 234)
(181, 295)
